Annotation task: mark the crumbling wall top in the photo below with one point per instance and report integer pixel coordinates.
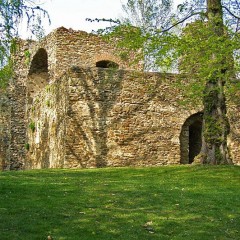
(66, 48)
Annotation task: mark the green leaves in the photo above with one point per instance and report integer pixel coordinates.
(6, 73)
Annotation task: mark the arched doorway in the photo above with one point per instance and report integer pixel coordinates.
(38, 76)
(191, 138)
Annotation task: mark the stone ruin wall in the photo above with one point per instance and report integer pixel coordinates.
(65, 48)
(4, 129)
(233, 108)
(85, 116)
(103, 117)
(45, 134)
(124, 118)
(17, 99)
(78, 48)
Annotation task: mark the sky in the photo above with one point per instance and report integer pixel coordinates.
(72, 13)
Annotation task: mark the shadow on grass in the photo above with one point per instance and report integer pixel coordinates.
(125, 203)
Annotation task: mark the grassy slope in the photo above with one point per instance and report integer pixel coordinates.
(176, 202)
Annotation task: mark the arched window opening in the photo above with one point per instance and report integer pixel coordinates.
(107, 64)
(38, 76)
(191, 138)
(39, 62)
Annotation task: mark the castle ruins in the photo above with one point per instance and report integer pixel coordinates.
(73, 103)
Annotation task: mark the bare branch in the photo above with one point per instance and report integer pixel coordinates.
(181, 21)
(230, 12)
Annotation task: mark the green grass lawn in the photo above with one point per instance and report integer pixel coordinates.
(175, 202)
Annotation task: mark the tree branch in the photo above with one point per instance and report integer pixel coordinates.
(180, 21)
(231, 13)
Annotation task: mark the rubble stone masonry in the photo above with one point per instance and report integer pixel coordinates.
(62, 111)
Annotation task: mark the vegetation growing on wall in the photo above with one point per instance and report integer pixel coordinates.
(32, 126)
(6, 73)
(27, 55)
(27, 146)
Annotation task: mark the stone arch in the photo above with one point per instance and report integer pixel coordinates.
(191, 138)
(107, 64)
(38, 76)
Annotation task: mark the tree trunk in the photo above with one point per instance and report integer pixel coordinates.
(215, 122)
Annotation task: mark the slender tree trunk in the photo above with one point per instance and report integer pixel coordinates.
(215, 121)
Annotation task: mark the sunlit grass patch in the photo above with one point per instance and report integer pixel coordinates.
(175, 202)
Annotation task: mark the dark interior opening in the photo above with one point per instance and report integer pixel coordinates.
(195, 140)
(191, 138)
(39, 63)
(107, 64)
(38, 76)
